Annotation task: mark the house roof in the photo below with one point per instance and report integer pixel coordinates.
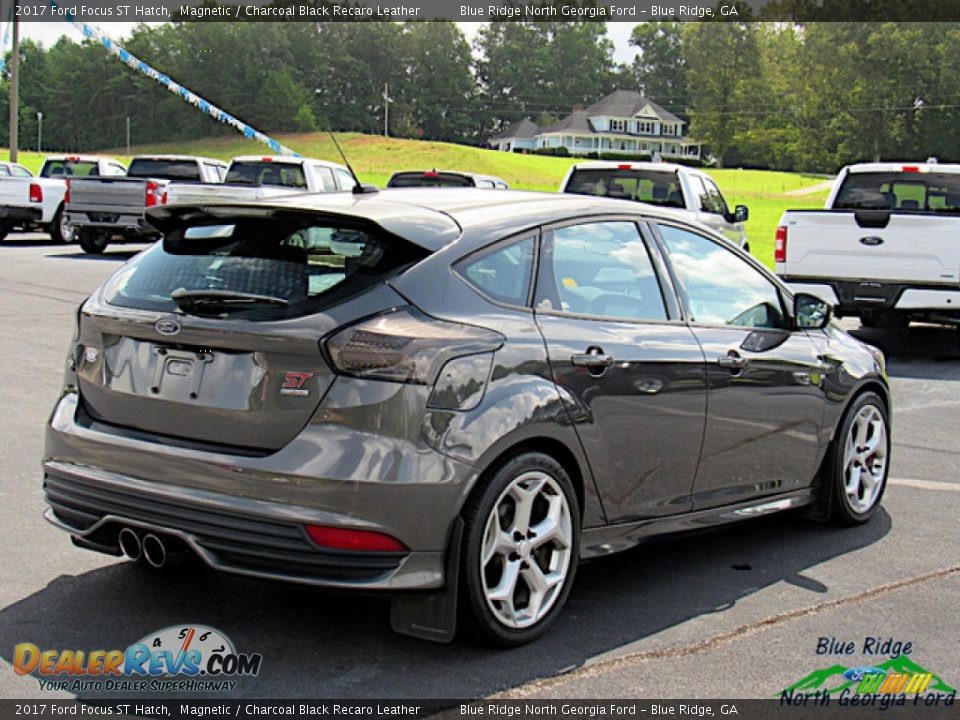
(576, 121)
(627, 103)
(522, 129)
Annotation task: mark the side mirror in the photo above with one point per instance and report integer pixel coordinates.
(741, 213)
(811, 312)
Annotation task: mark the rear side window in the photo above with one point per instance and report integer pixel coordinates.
(429, 179)
(68, 168)
(503, 274)
(266, 173)
(179, 170)
(297, 266)
(648, 186)
(900, 191)
(601, 270)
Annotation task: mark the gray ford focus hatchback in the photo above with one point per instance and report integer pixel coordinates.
(450, 396)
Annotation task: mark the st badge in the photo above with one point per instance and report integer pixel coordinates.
(293, 383)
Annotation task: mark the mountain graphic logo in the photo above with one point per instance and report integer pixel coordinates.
(898, 675)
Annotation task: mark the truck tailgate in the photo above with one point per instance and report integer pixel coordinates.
(916, 248)
(210, 193)
(107, 193)
(15, 191)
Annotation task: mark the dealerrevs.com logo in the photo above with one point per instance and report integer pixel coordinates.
(179, 658)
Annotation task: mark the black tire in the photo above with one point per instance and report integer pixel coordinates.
(55, 230)
(477, 617)
(889, 320)
(92, 242)
(842, 511)
(4, 231)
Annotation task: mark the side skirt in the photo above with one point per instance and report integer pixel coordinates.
(600, 541)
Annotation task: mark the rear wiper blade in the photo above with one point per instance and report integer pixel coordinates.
(188, 300)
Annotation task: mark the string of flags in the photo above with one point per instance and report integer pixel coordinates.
(198, 102)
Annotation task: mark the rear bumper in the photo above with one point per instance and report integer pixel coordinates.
(858, 297)
(245, 515)
(17, 215)
(125, 222)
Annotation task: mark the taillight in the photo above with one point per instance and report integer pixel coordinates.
(349, 539)
(152, 188)
(66, 195)
(163, 198)
(36, 193)
(780, 248)
(405, 346)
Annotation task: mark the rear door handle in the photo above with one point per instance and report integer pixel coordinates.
(732, 361)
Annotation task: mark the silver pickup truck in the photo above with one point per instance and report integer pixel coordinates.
(104, 209)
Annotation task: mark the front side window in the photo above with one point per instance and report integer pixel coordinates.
(715, 200)
(599, 269)
(276, 267)
(720, 287)
(503, 274)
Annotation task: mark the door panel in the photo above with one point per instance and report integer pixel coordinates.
(633, 381)
(765, 398)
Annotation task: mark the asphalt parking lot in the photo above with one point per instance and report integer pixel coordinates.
(736, 613)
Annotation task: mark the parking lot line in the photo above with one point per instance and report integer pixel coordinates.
(925, 484)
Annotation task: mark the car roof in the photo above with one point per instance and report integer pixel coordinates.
(896, 167)
(429, 217)
(638, 165)
(287, 159)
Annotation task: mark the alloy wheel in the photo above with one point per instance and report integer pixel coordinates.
(865, 459)
(526, 550)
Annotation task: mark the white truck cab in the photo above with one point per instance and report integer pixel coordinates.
(885, 247)
(664, 184)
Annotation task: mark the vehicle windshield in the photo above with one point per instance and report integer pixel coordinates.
(163, 169)
(68, 168)
(429, 179)
(900, 191)
(654, 187)
(266, 173)
(294, 266)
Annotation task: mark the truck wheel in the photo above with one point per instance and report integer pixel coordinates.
(92, 242)
(4, 231)
(888, 320)
(520, 546)
(60, 230)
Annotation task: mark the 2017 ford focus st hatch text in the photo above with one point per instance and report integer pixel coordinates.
(450, 395)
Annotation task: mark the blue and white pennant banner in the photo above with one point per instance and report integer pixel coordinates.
(213, 111)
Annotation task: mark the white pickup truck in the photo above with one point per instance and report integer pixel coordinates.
(886, 247)
(256, 177)
(105, 209)
(28, 202)
(663, 184)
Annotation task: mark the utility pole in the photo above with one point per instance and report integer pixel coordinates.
(128, 134)
(15, 85)
(386, 110)
(39, 131)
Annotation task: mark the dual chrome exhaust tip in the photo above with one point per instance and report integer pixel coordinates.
(147, 547)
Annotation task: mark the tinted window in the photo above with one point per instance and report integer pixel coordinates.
(503, 274)
(180, 170)
(266, 173)
(721, 288)
(648, 186)
(924, 192)
(429, 179)
(68, 168)
(599, 269)
(307, 265)
(714, 199)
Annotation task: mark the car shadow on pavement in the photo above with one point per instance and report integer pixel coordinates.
(928, 352)
(321, 645)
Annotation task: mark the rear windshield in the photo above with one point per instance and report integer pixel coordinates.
(68, 168)
(655, 187)
(179, 170)
(900, 191)
(308, 265)
(429, 179)
(266, 173)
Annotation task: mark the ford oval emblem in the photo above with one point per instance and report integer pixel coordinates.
(167, 326)
(872, 241)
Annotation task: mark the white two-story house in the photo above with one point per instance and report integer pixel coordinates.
(623, 122)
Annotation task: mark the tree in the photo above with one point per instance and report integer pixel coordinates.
(660, 70)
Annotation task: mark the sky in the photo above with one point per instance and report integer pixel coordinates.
(49, 33)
